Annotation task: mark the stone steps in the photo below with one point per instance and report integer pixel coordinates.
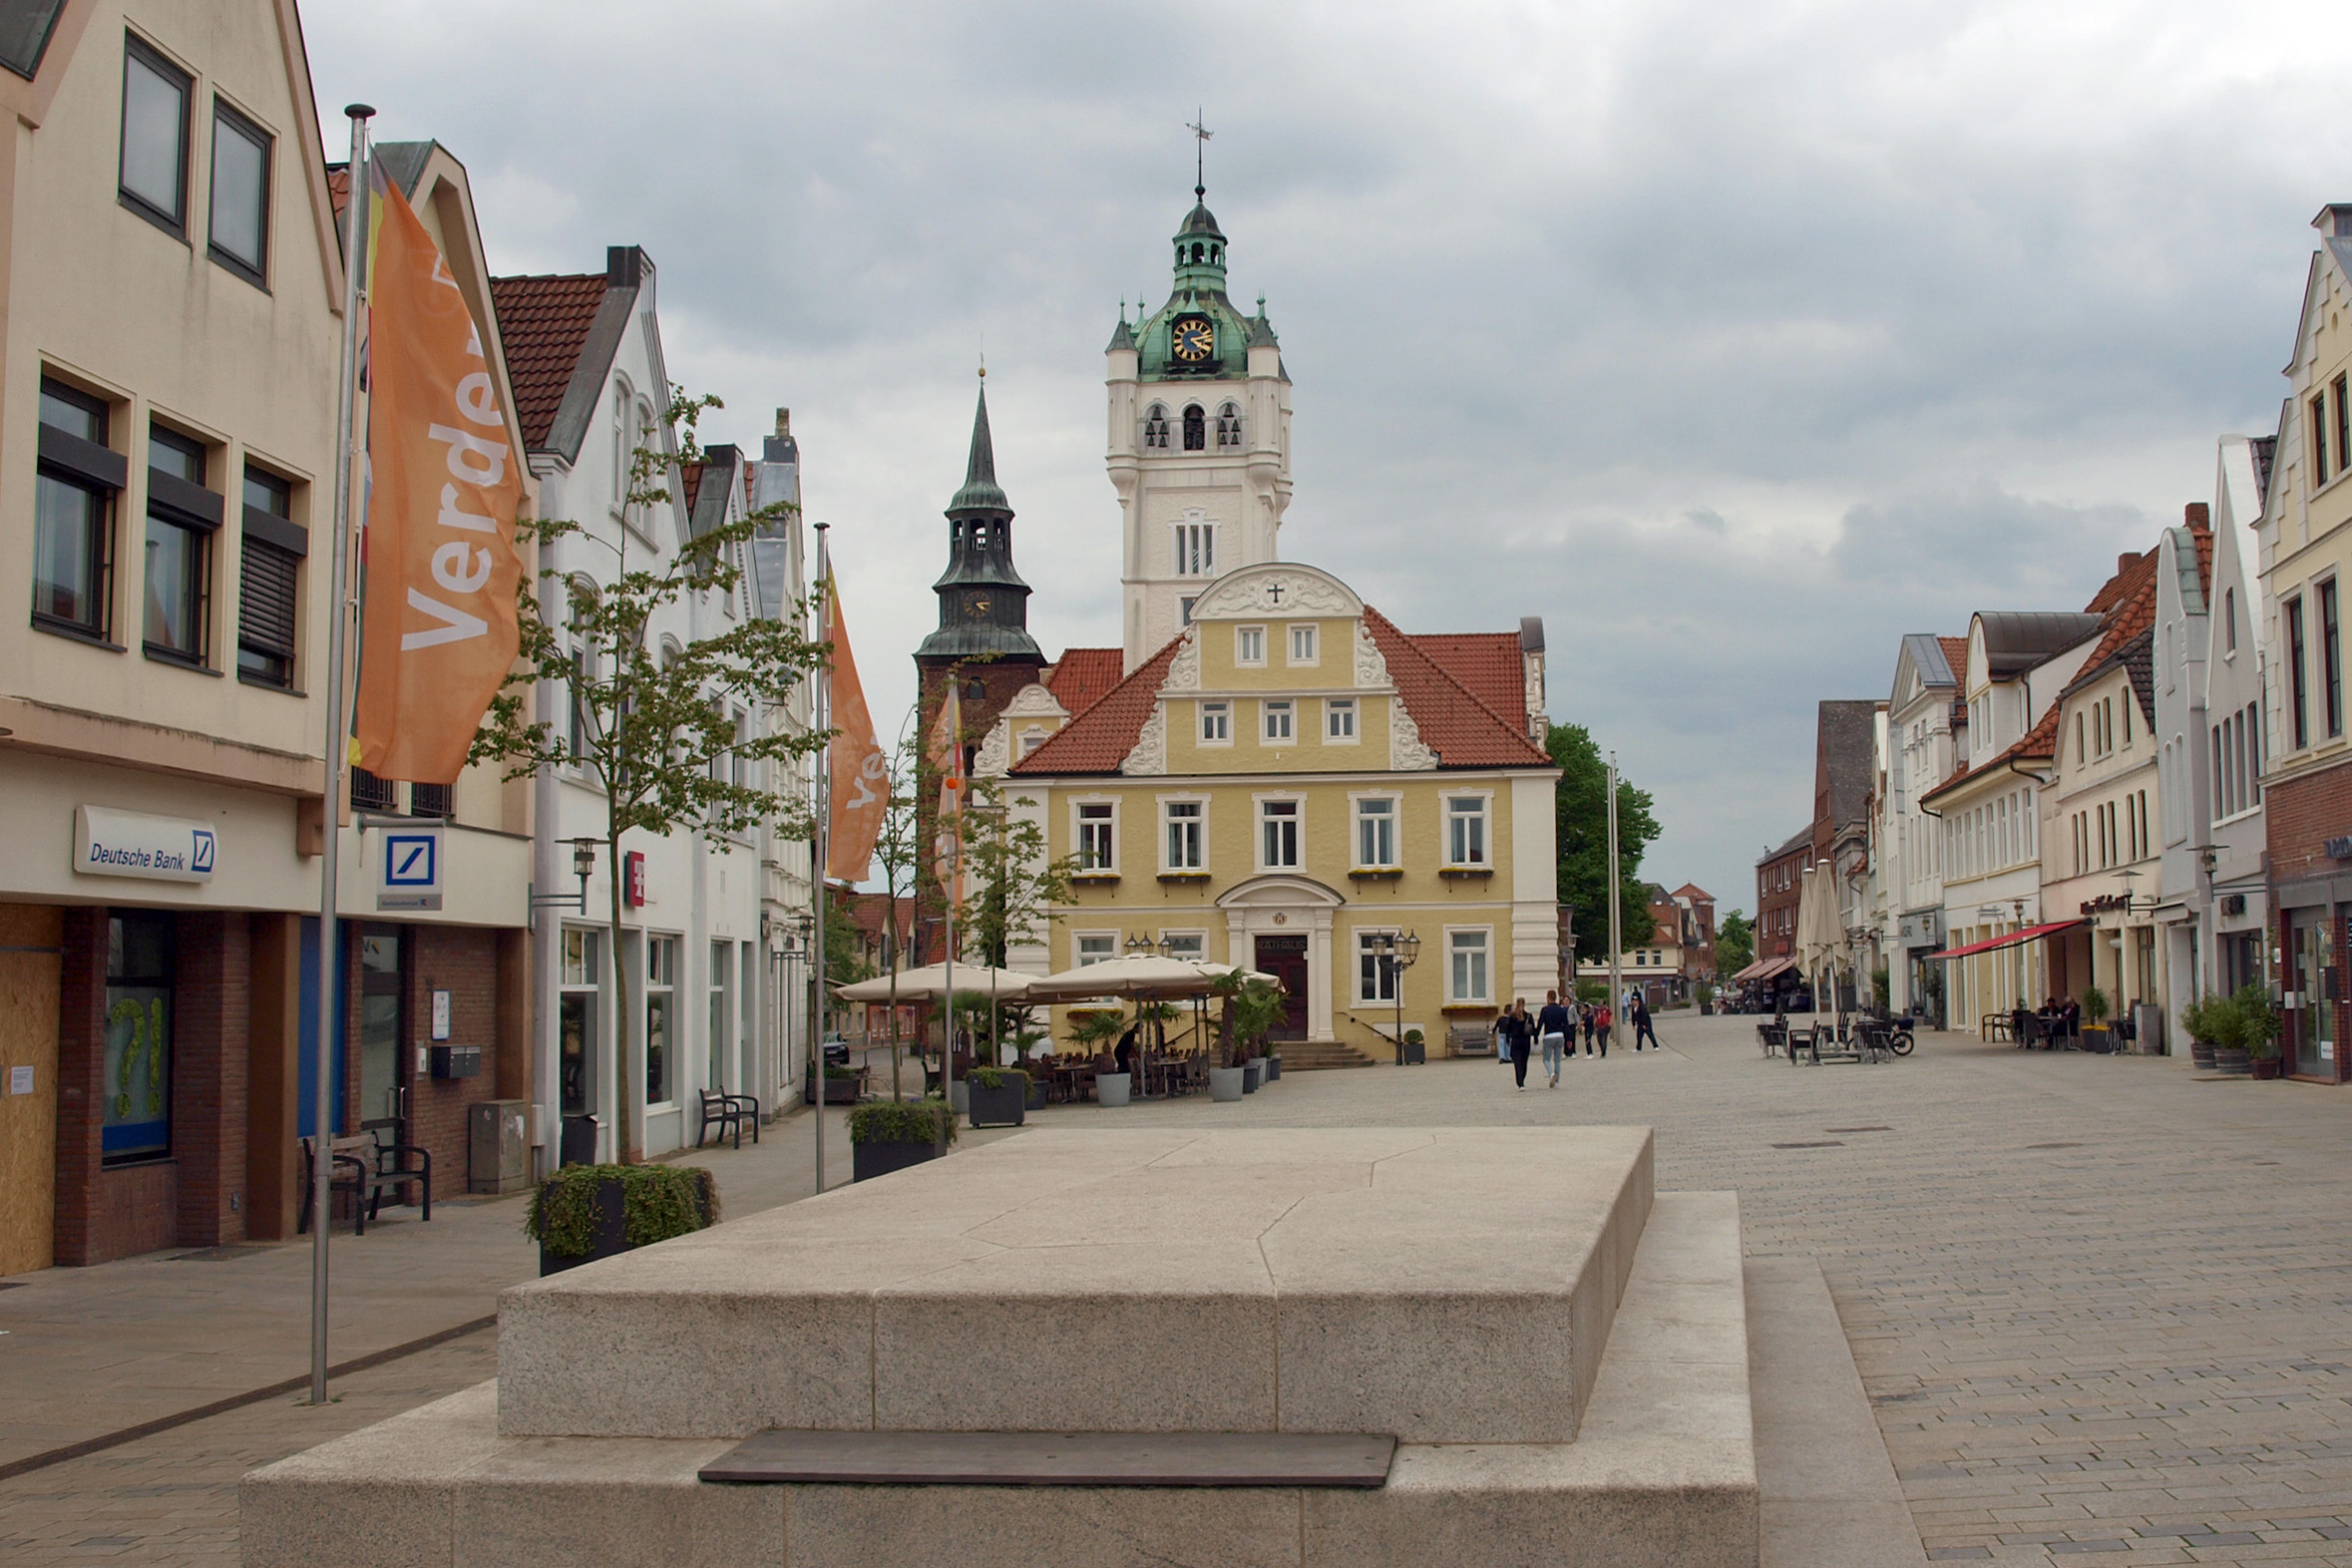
(1307, 1057)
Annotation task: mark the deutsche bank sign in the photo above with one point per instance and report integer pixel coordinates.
(408, 868)
(109, 843)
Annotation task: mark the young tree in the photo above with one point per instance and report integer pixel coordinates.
(654, 732)
(1013, 891)
(1735, 944)
(898, 857)
(1583, 842)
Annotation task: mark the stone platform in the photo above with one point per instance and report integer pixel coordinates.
(1562, 1357)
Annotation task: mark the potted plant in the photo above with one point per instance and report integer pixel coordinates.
(1416, 1047)
(841, 1086)
(1249, 1011)
(999, 1096)
(2095, 1034)
(1097, 1030)
(587, 1212)
(2259, 1027)
(889, 1136)
(1706, 996)
(2197, 1018)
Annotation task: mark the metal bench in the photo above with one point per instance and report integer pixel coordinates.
(367, 1166)
(727, 1113)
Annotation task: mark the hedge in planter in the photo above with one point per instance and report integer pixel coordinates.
(841, 1086)
(889, 1136)
(587, 1212)
(999, 1096)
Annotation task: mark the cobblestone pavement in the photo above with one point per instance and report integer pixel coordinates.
(2102, 1307)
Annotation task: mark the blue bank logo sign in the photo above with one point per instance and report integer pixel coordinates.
(111, 842)
(408, 865)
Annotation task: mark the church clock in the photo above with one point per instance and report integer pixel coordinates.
(1193, 339)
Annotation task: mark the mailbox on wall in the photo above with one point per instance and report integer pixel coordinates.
(457, 1061)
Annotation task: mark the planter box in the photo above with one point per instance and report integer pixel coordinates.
(2201, 1055)
(1001, 1107)
(838, 1091)
(1253, 1075)
(1037, 1094)
(1416, 1052)
(1115, 1088)
(869, 1160)
(2265, 1067)
(1273, 1068)
(1225, 1083)
(2233, 1064)
(608, 1238)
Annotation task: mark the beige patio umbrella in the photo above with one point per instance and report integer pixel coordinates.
(1818, 933)
(926, 984)
(1145, 977)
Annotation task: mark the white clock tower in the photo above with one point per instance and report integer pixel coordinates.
(1200, 441)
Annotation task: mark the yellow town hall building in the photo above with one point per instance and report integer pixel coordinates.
(1271, 773)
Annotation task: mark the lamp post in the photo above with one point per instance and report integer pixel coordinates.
(1395, 952)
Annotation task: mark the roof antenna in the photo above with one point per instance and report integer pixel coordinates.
(1199, 184)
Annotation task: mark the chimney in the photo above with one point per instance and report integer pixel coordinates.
(2197, 515)
(783, 422)
(2126, 561)
(2335, 220)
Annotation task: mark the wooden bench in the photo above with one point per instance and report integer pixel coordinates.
(727, 1113)
(367, 1166)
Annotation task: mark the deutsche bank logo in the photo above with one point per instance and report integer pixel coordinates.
(202, 858)
(409, 861)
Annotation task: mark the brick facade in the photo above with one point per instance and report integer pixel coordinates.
(2300, 814)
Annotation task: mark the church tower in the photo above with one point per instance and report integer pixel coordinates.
(1200, 440)
(984, 638)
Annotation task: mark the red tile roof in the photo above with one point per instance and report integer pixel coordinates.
(1695, 893)
(543, 322)
(692, 474)
(1083, 676)
(1956, 655)
(1463, 730)
(339, 190)
(1488, 665)
(1099, 740)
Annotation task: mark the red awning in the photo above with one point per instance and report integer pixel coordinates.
(2029, 933)
(1762, 969)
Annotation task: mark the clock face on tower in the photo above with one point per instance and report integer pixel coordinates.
(1193, 339)
(977, 609)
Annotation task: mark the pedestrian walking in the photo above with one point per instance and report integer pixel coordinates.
(1643, 1030)
(1553, 1026)
(1602, 1018)
(1584, 1016)
(1521, 1032)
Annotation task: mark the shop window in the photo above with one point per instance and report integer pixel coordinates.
(661, 985)
(576, 1022)
(137, 1120)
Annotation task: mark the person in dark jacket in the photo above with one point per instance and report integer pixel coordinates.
(1556, 1031)
(1584, 1014)
(1641, 1022)
(1519, 1030)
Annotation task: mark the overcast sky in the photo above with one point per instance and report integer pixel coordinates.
(1735, 340)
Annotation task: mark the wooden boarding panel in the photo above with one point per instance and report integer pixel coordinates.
(869, 1458)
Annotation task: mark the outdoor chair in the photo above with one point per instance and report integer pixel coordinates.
(726, 1113)
(366, 1166)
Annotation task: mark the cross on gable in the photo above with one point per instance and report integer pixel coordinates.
(1274, 593)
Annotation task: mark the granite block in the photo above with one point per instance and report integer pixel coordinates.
(1041, 1527)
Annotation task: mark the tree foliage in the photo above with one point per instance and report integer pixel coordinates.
(652, 728)
(1012, 889)
(1735, 944)
(1582, 803)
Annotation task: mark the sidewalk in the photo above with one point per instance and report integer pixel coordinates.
(89, 1351)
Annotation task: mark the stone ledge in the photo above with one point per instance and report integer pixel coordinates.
(1662, 1476)
(1316, 1281)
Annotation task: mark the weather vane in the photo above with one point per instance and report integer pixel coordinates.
(1201, 135)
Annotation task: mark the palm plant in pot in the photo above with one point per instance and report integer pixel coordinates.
(889, 1136)
(2259, 1027)
(2198, 1019)
(2095, 1037)
(1094, 1030)
(1249, 1007)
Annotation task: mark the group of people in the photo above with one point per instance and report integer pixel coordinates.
(2058, 1018)
(1554, 1029)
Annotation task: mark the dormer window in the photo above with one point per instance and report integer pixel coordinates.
(1228, 427)
(1155, 428)
(1196, 428)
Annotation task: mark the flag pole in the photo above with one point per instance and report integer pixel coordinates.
(823, 842)
(1616, 907)
(323, 1165)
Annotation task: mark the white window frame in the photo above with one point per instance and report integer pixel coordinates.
(1083, 958)
(1294, 811)
(1200, 818)
(1375, 983)
(1394, 816)
(1339, 721)
(1286, 711)
(1186, 943)
(1221, 712)
(1194, 541)
(1308, 634)
(1079, 807)
(661, 941)
(1249, 646)
(1485, 817)
(1454, 951)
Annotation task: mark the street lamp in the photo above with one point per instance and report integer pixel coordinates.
(1395, 953)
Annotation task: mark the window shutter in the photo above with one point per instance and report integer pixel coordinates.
(266, 597)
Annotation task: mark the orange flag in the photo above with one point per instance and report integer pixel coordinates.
(943, 748)
(860, 777)
(439, 632)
